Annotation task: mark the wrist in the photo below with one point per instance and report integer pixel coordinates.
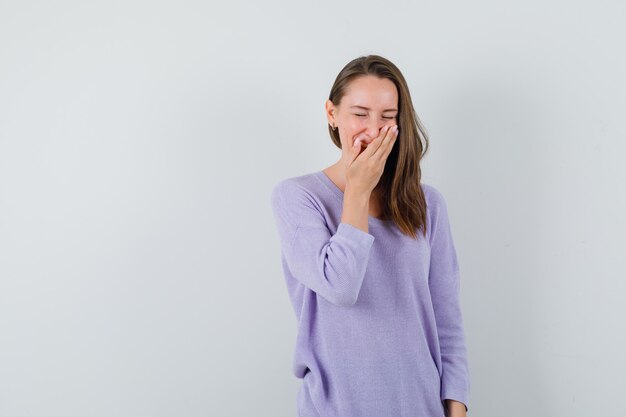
(356, 194)
(455, 408)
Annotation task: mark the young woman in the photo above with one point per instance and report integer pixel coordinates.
(370, 263)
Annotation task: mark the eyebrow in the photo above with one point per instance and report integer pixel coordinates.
(367, 108)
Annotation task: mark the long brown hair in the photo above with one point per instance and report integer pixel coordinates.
(401, 197)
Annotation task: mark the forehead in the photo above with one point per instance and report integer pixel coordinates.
(372, 92)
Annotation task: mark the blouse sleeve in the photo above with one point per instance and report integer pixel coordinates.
(331, 265)
(444, 284)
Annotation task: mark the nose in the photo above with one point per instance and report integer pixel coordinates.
(373, 128)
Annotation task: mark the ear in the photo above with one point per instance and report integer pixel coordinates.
(330, 112)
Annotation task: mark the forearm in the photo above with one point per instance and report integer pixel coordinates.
(356, 209)
(455, 408)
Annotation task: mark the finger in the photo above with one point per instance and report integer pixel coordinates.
(386, 144)
(385, 148)
(356, 148)
(375, 144)
(391, 144)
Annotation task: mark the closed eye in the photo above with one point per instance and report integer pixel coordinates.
(363, 115)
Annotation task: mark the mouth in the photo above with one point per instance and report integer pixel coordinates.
(365, 142)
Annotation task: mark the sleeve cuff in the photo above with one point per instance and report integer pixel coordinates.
(458, 397)
(355, 234)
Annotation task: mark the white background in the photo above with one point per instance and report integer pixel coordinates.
(139, 264)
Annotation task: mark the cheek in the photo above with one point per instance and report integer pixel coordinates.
(354, 128)
(350, 130)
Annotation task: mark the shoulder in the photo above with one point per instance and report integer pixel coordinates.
(434, 198)
(436, 210)
(294, 187)
(301, 195)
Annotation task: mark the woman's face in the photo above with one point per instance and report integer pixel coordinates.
(369, 104)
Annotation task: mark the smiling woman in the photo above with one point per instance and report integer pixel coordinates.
(369, 94)
(370, 263)
(363, 121)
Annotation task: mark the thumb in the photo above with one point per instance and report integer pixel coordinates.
(356, 148)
